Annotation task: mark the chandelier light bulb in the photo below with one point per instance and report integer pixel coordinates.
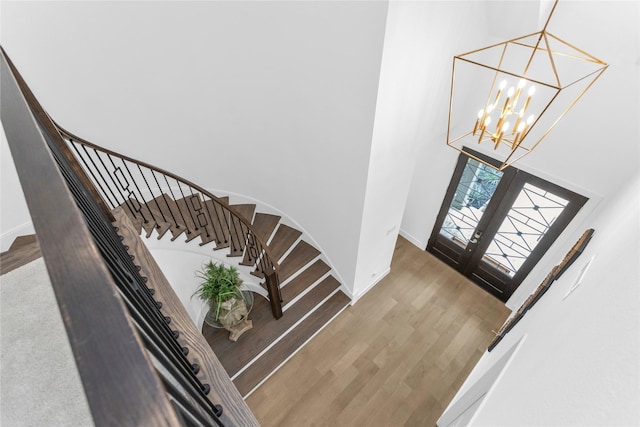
(480, 116)
(503, 78)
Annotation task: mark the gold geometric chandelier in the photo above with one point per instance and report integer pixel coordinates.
(507, 97)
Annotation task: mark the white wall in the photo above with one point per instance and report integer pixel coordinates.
(14, 215)
(271, 99)
(296, 83)
(411, 107)
(593, 150)
(579, 363)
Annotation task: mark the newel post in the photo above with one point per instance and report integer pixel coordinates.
(273, 287)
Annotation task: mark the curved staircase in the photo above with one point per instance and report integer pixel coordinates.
(293, 271)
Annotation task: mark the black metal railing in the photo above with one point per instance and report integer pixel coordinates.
(133, 369)
(161, 201)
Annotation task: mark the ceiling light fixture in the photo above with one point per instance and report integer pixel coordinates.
(526, 94)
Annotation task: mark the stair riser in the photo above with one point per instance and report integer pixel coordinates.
(311, 294)
(262, 368)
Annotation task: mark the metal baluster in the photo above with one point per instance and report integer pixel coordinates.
(150, 192)
(166, 202)
(196, 389)
(153, 174)
(173, 196)
(224, 223)
(187, 206)
(106, 231)
(211, 220)
(233, 224)
(132, 297)
(133, 180)
(74, 146)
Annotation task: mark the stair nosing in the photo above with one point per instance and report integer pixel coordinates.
(290, 249)
(307, 290)
(284, 334)
(298, 237)
(294, 353)
(298, 348)
(249, 351)
(300, 271)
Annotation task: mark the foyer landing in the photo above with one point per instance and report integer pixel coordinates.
(396, 358)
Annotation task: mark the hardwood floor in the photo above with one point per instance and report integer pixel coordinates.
(396, 358)
(22, 251)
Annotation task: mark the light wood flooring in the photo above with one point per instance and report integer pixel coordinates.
(395, 358)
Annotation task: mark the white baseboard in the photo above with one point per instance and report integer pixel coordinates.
(7, 238)
(419, 243)
(356, 297)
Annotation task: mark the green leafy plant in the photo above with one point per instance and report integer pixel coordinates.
(219, 284)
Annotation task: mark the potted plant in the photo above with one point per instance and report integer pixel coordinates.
(220, 287)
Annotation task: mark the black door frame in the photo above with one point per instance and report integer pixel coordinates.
(469, 261)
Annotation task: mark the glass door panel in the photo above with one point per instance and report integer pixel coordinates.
(494, 226)
(475, 188)
(527, 221)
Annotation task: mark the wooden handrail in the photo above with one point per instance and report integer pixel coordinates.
(51, 128)
(120, 384)
(265, 260)
(66, 134)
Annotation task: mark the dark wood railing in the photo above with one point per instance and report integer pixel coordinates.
(162, 201)
(133, 369)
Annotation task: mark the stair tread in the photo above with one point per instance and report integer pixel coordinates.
(301, 255)
(264, 366)
(245, 210)
(19, 254)
(220, 227)
(192, 210)
(283, 239)
(143, 216)
(238, 229)
(22, 241)
(264, 224)
(266, 329)
(137, 221)
(140, 215)
(305, 279)
(166, 211)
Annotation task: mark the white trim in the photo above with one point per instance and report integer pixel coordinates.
(7, 238)
(481, 389)
(414, 240)
(284, 334)
(295, 352)
(263, 207)
(375, 281)
(306, 291)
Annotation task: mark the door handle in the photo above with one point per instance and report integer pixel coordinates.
(475, 237)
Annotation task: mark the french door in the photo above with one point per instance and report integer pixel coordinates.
(494, 226)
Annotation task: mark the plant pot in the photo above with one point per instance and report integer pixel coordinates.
(231, 312)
